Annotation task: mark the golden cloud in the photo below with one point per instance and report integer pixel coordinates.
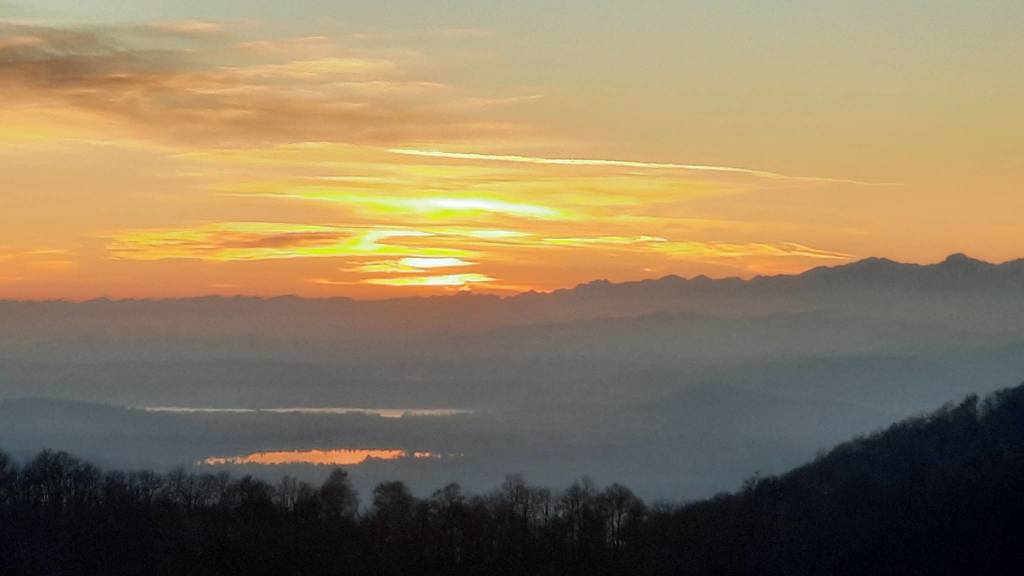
(227, 241)
(410, 265)
(440, 280)
(197, 94)
(27, 264)
(188, 27)
(304, 149)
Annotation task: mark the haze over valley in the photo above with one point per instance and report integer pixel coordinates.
(683, 387)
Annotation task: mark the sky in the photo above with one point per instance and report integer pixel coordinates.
(166, 149)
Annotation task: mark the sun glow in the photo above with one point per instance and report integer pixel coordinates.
(442, 280)
(433, 262)
(209, 156)
(436, 207)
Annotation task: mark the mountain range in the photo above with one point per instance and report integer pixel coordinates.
(738, 375)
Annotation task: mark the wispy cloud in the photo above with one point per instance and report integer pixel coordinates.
(212, 92)
(440, 280)
(697, 249)
(409, 265)
(440, 207)
(719, 250)
(234, 241)
(617, 163)
(605, 240)
(351, 165)
(188, 27)
(20, 265)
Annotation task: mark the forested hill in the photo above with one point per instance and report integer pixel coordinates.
(938, 494)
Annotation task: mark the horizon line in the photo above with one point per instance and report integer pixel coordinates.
(464, 292)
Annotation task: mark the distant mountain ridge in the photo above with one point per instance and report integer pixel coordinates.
(955, 271)
(868, 287)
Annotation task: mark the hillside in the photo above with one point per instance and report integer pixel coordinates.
(937, 494)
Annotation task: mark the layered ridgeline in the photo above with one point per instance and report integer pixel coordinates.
(936, 494)
(343, 320)
(233, 351)
(615, 379)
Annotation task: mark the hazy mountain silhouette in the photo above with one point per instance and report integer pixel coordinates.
(464, 311)
(957, 271)
(741, 375)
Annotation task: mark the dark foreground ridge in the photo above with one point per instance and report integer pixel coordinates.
(938, 494)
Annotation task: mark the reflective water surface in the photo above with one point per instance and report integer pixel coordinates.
(337, 457)
(382, 412)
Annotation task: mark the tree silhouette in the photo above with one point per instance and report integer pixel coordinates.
(937, 494)
(338, 498)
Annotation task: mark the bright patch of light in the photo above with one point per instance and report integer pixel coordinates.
(417, 262)
(443, 280)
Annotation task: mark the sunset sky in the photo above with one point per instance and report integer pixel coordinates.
(164, 149)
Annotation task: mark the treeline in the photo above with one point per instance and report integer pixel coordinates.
(940, 494)
(60, 515)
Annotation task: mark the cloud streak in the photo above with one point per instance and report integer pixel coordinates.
(410, 265)
(439, 207)
(210, 91)
(619, 164)
(242, 241)
(440, 280)
(188, 27)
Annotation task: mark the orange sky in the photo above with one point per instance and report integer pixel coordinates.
(174, 157)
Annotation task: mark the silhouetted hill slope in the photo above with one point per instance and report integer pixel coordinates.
(937, 494)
